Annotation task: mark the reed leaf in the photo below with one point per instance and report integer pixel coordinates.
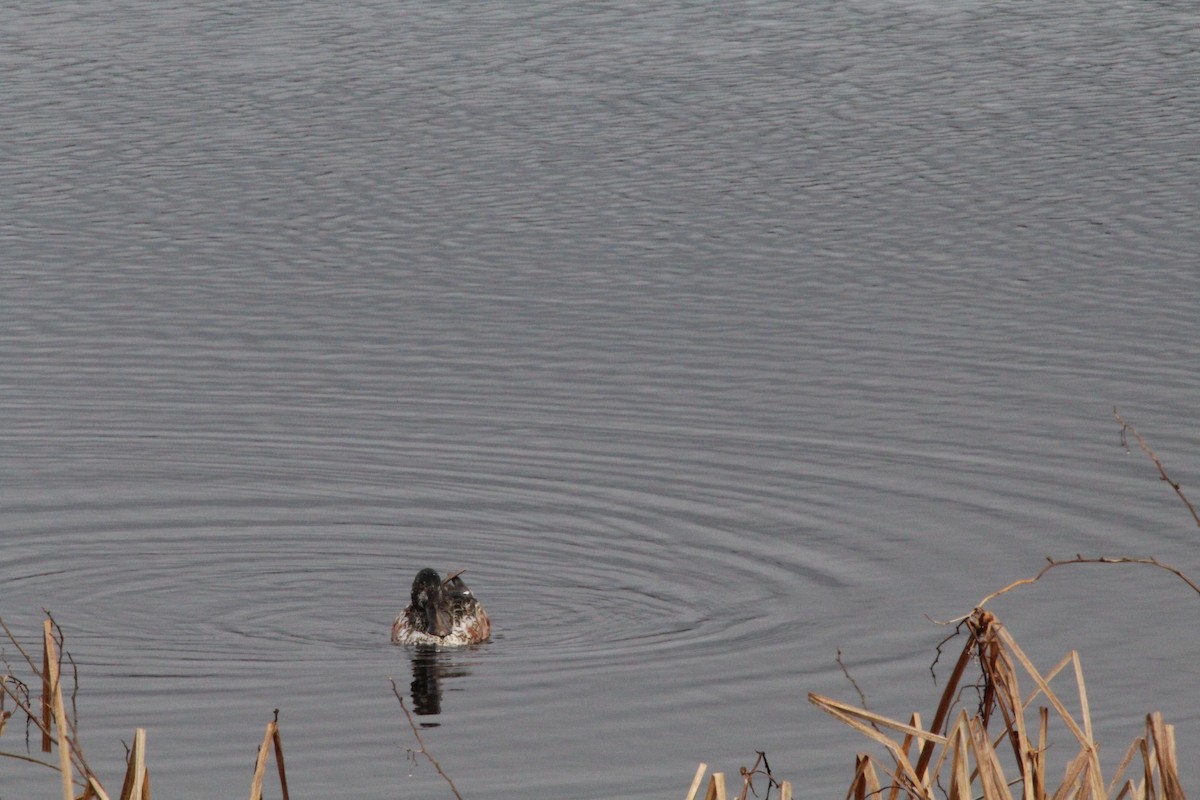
(969, 763)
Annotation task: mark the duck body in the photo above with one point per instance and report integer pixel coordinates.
(442, 613)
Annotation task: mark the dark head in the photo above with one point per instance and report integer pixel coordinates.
(430, 600)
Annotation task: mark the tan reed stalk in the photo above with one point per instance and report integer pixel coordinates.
(866, 780)
(967, 760)
(47, 699)
(1164, 746)
(700, 770)
(260, 765)
(97, 790)
(716, 784)
(136, 785)
(279, 759)
(716, 787)
(271, 737)
(60, 712)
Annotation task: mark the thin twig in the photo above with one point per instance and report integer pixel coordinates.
(1162, 472)
(30, 759)
(1078, 559)
(31, 716)
(748, 777)
(17, 644)
(862, 698)
(412, 724)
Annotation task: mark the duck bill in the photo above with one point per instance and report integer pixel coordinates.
(437, 620)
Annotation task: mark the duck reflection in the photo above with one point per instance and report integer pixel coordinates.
(430, 666)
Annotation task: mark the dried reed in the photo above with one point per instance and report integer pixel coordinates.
(58, 727)
(51, 719)
(716, 782)
(137, 778)
(271, 737)
(959, 754)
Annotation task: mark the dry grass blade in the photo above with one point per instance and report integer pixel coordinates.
(1147, 787)
(1083, 735)
(47, 698)
(760, 769)
(968, 763)
(60, 712)
(1164, 748)
(851, 715)
(1085, 711)
(49, 715)
(1004, 692)
(716, 787)
(1127, 791)
(991, 773)
(1072, 783)
(914, 722)
(1125, 762)
(1037, 759)
(279, 760)
(260, 764)
(866, 780)
(960, 779)
(700, 770)
(943, 709)
(270, 737)
(97, 790)
(134, 787)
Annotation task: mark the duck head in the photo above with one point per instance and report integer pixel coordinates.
(432, 601)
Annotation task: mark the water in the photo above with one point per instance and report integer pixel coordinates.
(708, 340)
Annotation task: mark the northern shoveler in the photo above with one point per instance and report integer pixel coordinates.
(442, 612)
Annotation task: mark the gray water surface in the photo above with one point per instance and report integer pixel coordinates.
(708, 339)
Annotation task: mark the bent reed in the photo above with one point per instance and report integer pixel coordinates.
(999, 752)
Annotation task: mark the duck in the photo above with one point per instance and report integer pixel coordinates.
(442, 612)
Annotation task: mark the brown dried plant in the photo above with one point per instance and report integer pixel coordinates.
(964, 757)
(51, 716)
(961, 757)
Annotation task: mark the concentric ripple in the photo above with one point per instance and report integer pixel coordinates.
(581, 565)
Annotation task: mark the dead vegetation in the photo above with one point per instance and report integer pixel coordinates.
(50, 715)
(761, 769)
(999, 750)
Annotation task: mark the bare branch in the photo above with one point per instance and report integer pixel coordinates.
(862, 698)
(1162, 472)
(412, 724)
(1078, 559)
(748, 777)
